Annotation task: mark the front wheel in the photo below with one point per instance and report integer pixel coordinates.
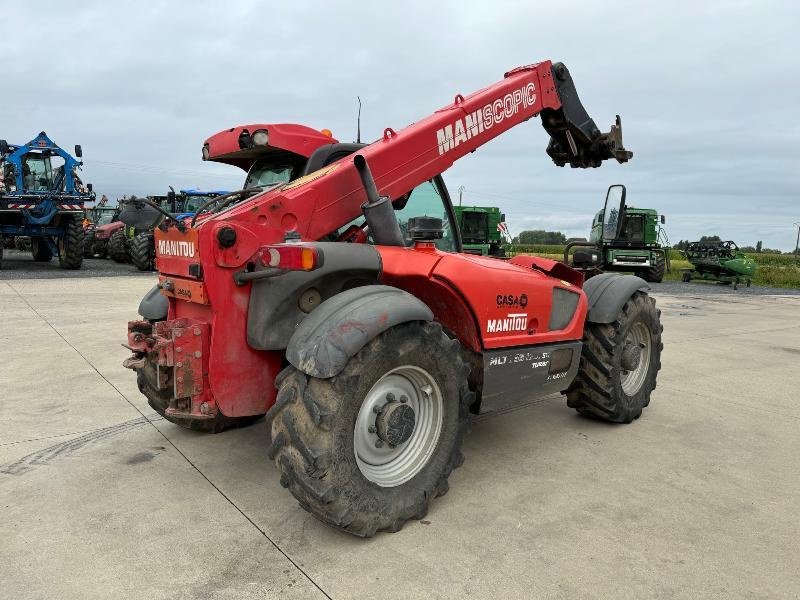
(40, 250)
(619, 363)
(117, 246)
(70, 245)
(366, 450)
(655, 273)
(143, 251)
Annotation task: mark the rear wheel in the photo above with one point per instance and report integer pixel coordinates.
(40, 250)
(159, 402)
(655, 273)
(117, 246)
(687, 277)
(366, 450)
(619, 363)
(70, 245)
(143, 251)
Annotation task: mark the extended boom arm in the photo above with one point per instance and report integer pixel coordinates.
(323, 201)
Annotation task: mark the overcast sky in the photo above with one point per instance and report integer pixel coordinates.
(709, 94)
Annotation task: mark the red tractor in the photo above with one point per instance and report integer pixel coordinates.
(339, 305)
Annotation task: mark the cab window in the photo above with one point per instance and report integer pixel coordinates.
(425, 200)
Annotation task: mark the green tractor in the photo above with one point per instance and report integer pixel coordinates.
(625, 239)
(482, 229)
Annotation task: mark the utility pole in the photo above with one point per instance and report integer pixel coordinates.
(797, 243)
(460, 194)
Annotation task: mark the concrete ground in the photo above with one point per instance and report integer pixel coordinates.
(700, 498)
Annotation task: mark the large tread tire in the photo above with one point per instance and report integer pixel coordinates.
(597, 390)
(160, 402)
(71, 245)
(88, 244)
(117, 247)
(312, 430)
(100, 248)
(655, 274)
(40, 250)
(143, 251)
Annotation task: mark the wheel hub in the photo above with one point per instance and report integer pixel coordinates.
(631, 356)
(395, 423)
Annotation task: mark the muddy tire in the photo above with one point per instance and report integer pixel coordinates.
(40, 250)
(70, 245)
(159, 402)
(655, 274)
(366, 450)
(143, 251)
(117, 246)
(88, 244)
(619, 363)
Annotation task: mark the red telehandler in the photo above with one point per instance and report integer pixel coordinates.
(339, 305)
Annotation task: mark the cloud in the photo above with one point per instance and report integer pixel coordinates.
(707, 92)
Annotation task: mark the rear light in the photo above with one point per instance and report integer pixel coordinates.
(260, 137)
(326, 132)
(291, 257)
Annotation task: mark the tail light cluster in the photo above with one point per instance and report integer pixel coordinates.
(291, 257)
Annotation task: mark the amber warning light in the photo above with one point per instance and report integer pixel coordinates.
(291, 257)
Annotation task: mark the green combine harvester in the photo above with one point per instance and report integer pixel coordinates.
(718, 261)
(623, 238)
(482, 229)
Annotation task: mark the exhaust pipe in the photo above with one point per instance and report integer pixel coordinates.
(378, 210)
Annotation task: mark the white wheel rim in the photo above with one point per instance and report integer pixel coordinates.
(392, 466)
(632, 380)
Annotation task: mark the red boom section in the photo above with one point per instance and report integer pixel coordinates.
(321, 202)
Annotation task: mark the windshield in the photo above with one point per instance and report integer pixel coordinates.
(192, 203)
(265, 172)
(474, 227)
(105, 217)
(37, 172)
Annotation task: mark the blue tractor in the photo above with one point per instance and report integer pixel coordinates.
(42, 197)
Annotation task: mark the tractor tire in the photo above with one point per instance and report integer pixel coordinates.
(40, 250)
(143, 251)
(159, 403)
(70, 246)
(118, 246)
(22, 243)
(619, 363)
(340, 465)
(686, 277)
(2, 248)
(88, 245)
(655, 274)
(100, 248)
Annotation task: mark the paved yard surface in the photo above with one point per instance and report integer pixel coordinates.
(700, 498)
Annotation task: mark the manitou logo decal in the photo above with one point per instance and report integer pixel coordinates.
(513, 322)
(485, 118)
(176, 248)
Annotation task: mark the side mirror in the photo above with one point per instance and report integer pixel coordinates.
(78, 151)
(663, 220)
(89, 186)
(614, 212)
(3, 147)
